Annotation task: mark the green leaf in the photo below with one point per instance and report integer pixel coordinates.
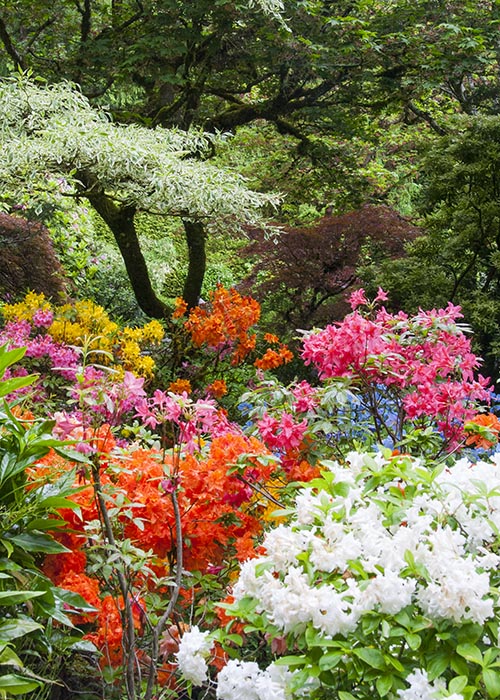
(37, 542)
(413, 641)
(437, 665)
(459, 665)
(291, 661)
(344, 695)
(15, 597)
(7, 386)
(12, 629)
(457, 684)
(8, 546)
(330, 660)
(491, 680)
(372, 657)
(471, 653)
(9, 357)
(13, 684)
(9, 657)
(383, 684)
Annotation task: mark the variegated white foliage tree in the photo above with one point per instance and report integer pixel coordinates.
(53, 141)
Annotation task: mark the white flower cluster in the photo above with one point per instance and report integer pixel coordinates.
(368, 549)
(244, 679)
(194, 647)
(422, 689)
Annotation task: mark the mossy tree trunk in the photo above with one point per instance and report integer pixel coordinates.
(121, 222)
(195, 238)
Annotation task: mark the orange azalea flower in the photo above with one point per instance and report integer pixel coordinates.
(166, 675)
(180, 308)
(179, 386)
(488, 421)
(218, 658)
(22, 414)
(218, 388)
(245, 346)
(271, 338)
(108, 637)
(274, 358)
(85, 586)
(225, 322)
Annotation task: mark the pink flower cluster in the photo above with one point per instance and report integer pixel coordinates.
(61, 358)
(283, 434)
(426, 359)
(191, 419)
(101, 395)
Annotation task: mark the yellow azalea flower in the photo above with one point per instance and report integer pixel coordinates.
(25, 309)
(129, 351)
(87, 325)
(153, 332)
(134, 334)
(144, 367)
(64, 331)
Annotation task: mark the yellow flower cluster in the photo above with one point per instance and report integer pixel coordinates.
(24, 310)
(75, 322)
(86, 324)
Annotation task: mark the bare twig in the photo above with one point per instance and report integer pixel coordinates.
(158, 629)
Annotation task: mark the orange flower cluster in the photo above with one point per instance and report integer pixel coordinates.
(274, 358)
(108, 636)
(225, 323)
(180, 308)
(217, 388)
(207, 495)
(180, 386)
(220, 517)
(491, 423)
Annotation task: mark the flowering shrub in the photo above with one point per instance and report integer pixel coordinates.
(205, 484)
(223, 340)
(29, 602)
(53, 334)
(385, 581)
(405, 382)
(423, 364)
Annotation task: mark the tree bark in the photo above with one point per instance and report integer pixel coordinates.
(122, 225)
(195, 238)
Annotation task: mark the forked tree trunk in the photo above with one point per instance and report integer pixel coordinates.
(121, 222)
(122, 225)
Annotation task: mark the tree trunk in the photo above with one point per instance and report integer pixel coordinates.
(122, 225)
(195, 238)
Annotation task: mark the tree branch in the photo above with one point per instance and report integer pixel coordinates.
(427, 118)
(10, 48)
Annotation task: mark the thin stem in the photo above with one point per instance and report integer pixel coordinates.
(158, 629)
(262, 491)
(127, 615)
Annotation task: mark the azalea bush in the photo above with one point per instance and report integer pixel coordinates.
(384, 582)
(408, 382)
(218, 349)
(59, 339)
(158, 525)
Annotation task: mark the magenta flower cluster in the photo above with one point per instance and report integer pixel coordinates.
(425, 359)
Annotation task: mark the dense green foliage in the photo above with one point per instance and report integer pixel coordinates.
(155, 139)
